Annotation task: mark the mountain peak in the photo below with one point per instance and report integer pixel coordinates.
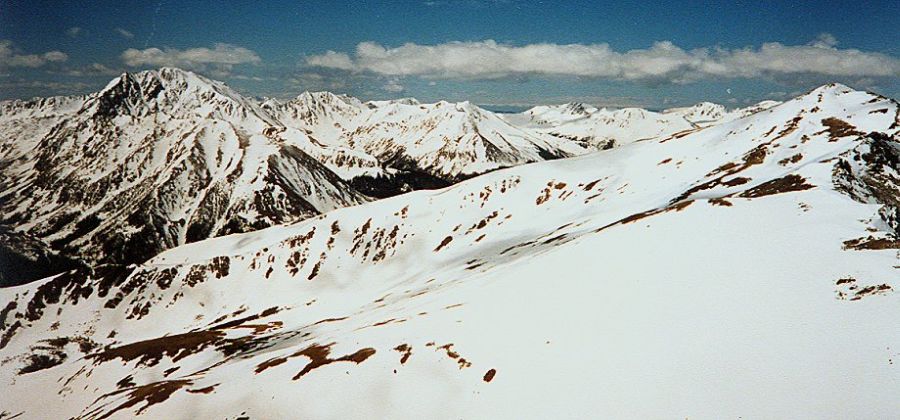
(833, 88)
(169, 78)
(323, 95)
(579, 108)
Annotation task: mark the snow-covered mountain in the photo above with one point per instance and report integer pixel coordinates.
(321, 112)
(553, 115)
(451, 140)
(441, 143)
(161, 158)
(743, 270)
(606, 128)
(314, 121)
(154, 160)
(700, 114)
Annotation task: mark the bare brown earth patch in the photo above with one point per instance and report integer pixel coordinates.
(849, 289)
(51, 352)
(315, 269)
(679, 134)
(150, 352)
(871, 242)
(790, 127)
(638, 216)
(590, 185)
(385, 322)
(327, 320)
(547, 192)
(787, 183)
(871, 290)
(178, 346)
(712, 184)
(318, 357)
(483, 222)
(150, 394)
(755, 156)
(788, 160)
(725, 167)
(720, 202)
(207, 390)
(489, 375)
(269, 363)
(845, 280)
(838, 128)
(405, 351)
(443, 243)
(463, 363)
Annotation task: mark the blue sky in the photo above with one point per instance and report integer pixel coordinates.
(652, 54)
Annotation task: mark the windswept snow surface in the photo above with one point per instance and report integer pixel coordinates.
(743, 270)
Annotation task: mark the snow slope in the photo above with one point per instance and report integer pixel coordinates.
(744, 270)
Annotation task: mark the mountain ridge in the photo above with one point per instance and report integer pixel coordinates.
(154, 160)
(724, 270)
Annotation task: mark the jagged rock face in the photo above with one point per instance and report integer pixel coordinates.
(755, 249)
(24, 258)
(154, 160)
(870, 173)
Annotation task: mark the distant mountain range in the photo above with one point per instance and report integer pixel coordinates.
(157, 159)
(224, 258)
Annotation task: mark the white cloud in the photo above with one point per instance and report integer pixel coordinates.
(93, 69)
(11, 58)
(43, 86)
(124, 33)
(663, 61)
(331, 59)
(315, 81)
(246, 77)
(825, 40)
(393, 86)
(219, 59)
(73, 31)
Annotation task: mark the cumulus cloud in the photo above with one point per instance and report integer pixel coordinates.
(73, 31)
(124, 33)
(93, 69)
(662, 62)
(393, 86)
(332, 59)
(9, 57)
(41, 87)
(316, 81)
(219, 59)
